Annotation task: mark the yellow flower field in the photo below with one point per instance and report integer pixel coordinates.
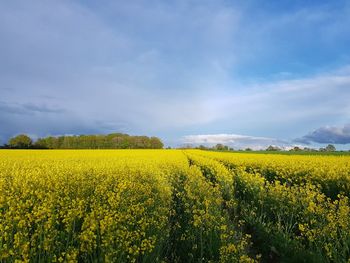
(172, 206)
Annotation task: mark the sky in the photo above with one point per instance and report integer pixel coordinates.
(244, 73)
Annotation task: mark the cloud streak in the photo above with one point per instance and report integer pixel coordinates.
(27, 109)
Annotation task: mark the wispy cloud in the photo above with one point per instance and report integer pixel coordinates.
(327, 134)
(27, 109)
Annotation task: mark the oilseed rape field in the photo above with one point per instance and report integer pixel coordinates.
(173, 206)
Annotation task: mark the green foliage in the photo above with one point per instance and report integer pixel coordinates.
(221, 147)
(110, 141)
(295, 149)
(21, 141)
(330, 148)
(272, 148)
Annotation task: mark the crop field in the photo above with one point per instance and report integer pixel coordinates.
(173, 206)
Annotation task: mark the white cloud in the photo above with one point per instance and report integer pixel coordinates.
(296, 104)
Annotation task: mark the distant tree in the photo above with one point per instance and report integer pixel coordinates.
(306, 149)
(21, 141)
(221, 147)
(202, 147)
(156, 143)
(270, 148)
(110, 141)
(273, 148)
(330, 148)
(295, 149)
(40, 144)
(248, 149)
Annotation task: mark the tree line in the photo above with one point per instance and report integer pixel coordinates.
(271, 148)
(109, 141)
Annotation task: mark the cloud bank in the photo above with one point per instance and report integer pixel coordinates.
(328, 134)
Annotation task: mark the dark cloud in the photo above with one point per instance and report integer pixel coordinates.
(327, 134)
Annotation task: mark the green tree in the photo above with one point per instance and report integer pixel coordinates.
(219, 147)
(202, 147)
(273, 148)
(110, 141)
(330, 148)
(295, 149)
(156, 143)
(21, 141)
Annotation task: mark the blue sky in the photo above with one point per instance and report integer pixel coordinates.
(247, 73)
